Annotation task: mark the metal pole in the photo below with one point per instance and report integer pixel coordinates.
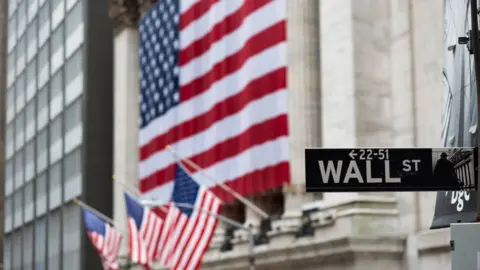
(474, 38)
(238, 225)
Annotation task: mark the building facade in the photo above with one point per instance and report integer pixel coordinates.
(361, 73)
(58, 130)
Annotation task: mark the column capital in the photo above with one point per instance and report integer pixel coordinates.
(124, 13)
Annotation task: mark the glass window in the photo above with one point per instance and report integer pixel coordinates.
(43, 61)
(32, 39)
(56, 94)
(21, 18)
(19, 169)
(31, 79)
(56, 60)
(58, 12)
(74, 18)
(42, 108)
(20, 92)
(8, 213)
(55, 3)
(55, 185)
(28, 247)
(40, 240)
(9, 141)
(11, 69)
(41, 194)
(7, 252)
(73, 126)
(74, 76)
(17, 248)
(32, 9)
(10, 104)
(43, 24)
(21, 53)
(9, 177)
(29, 202)
(12, 33)
(72, 230)
(42, 154)
(30, 118)
(74, 66)
(73, 175)
(54, 233)
(74, 29)
(19, 130)
(71, 3)
(18, 206)
(56, 140)
(30, 161)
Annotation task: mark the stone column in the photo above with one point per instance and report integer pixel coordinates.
(126, 68)
(304, 95)
(356, 88)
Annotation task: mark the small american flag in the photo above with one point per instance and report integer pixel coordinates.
(188, 231)
(104, 238)
(144, 228)
(213, 86)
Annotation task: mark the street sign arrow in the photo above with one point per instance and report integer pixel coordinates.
(352, 154)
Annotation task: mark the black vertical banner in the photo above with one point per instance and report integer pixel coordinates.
(456, 206)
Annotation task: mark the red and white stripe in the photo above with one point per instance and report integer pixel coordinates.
(143, 241)
(232, 119)
(188, 238)
(108, 247)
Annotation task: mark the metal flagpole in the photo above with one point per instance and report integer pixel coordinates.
(235, 194)
(93, 210)
(134, 191)
(238, 225)
(96, 212)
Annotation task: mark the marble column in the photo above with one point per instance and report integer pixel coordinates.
(356, 64)
(126, 68)
(304, 95)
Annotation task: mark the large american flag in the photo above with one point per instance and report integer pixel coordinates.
(213, 86)
(104, 238)
(188, 231)
(144, 228)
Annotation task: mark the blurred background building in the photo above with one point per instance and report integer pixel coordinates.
(58, 130)
(361, 73)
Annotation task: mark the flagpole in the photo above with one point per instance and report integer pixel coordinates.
(133, 190)
(251, 242)
(226, 188)
(93, 210)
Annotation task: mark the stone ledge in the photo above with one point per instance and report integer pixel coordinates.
(433, 240)
(320, 250)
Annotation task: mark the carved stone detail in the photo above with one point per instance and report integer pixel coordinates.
(124, 13)
(145, 5)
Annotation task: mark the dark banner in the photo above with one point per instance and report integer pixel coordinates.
(390, 169)
(454, 207)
